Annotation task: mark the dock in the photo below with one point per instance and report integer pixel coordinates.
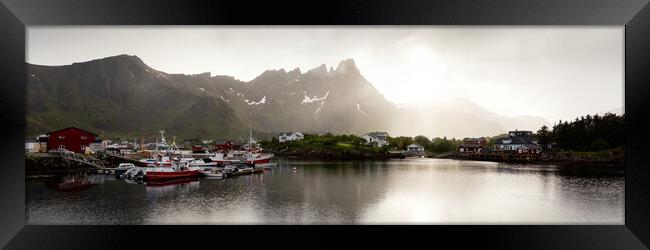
(500, 157)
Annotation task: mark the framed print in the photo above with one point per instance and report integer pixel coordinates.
(519, 125)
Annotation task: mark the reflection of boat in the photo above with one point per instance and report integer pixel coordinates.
(171, 182)
(75, 183)
(171, 186)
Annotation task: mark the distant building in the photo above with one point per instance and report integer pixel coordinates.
(415, 148)
(42, 143)
(32, 146)
(290, 136)
(521, 142)
(472, 145)
(223, 145)
(71, 138)
(97, 147)
(378, 139)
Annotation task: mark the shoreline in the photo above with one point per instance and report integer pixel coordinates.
(551, 161)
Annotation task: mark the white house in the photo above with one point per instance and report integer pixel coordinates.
(290, 136)
(377, 139)
(518, 141)
(415, 148)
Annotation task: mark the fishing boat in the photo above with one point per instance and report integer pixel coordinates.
(221, 158)
(122, 168)
(135, 174)
(254, 154)
(213, 173)
(179, 169)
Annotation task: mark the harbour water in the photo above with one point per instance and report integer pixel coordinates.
(409, 191)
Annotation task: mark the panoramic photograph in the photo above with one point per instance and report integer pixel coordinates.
(324, 125)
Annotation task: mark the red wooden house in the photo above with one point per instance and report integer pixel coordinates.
(221, 145)
(472, 145)
(71, 138)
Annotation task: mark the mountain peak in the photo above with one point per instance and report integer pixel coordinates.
(347, 66)
(122, 58)
(322, 69)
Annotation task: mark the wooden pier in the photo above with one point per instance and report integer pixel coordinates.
(503, 157)
(80, 158)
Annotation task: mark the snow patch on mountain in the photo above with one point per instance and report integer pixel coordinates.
(359, 109)
(321, 105)
(262, 101)
(314, 99)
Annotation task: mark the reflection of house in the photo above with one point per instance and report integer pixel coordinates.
(521, 142)
(472, 145)
(290, 136)
(415, 148)
(377, 139)
(73, 139)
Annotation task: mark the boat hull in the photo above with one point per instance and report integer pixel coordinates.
(157, 176)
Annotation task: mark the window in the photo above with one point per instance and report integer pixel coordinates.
(61, 146)
(61, 137)
(83, 137)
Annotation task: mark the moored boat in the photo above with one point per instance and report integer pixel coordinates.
(122, 168)
(213, 173)
(177, 170)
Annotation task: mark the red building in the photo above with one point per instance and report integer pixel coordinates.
(73, 139)
(221, 145)
(472, 145)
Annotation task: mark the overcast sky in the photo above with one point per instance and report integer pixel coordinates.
(557, 72)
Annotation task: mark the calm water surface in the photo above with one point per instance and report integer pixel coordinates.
(412, 191)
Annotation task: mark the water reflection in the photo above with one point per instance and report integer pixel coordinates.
(401, 191)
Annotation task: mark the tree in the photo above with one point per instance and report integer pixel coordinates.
(543, 136)
(443, 145)
(586, 133)
(422, 140)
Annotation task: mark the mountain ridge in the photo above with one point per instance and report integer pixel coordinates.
(122, 96)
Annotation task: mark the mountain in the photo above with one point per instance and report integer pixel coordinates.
(122, 96)
(460, 117)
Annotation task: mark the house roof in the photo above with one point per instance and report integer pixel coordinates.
(289, 133)
(378, 134)
(516, 140)
(523, 131)
(415, 146)
(71, 128)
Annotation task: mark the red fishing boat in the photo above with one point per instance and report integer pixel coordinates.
(254, 154)
(176, 171)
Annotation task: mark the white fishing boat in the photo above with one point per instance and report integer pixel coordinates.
(213, 173)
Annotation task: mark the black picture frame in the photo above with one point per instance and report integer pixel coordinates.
(633, 14)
